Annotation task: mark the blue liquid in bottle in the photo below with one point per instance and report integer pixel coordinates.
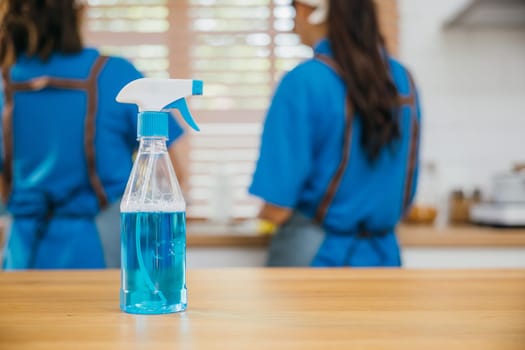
(153, 262)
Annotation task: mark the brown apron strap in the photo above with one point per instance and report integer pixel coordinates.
(7, 131)
(45, 81)
(90, 129)
(413, 143)
(90, 86)
(330, 62)
(335, 182)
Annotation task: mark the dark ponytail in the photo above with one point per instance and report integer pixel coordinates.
(359, 49)
(38, 28)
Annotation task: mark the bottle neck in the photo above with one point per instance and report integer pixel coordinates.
(153, 144)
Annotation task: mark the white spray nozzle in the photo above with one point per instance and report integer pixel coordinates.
(155, 95)
(152, 94)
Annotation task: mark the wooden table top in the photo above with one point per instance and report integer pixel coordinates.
(272, 309)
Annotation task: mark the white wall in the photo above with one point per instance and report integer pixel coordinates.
(472, 83)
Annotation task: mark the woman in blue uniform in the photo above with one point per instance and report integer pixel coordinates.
(338, 160)
(67, 144)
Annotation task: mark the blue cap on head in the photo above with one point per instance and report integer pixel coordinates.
(151, 124)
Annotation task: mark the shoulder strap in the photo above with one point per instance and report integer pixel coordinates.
(335, 182)
(410, 100)
(7, 133)
(89, 86)
(90, 130)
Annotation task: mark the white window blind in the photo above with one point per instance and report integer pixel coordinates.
(240, 49)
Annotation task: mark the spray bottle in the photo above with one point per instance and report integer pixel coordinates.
(153, 219)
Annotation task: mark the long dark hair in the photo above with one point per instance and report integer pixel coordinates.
(359, 49)
(38, 28)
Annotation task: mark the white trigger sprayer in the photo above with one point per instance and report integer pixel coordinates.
(158, 95)
(153, 210)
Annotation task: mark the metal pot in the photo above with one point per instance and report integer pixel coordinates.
(509, 187)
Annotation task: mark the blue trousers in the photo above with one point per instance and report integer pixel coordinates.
(301, 242)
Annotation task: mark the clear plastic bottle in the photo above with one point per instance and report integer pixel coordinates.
(153, 228)
(153, 210)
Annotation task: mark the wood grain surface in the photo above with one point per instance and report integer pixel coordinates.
(272, 309)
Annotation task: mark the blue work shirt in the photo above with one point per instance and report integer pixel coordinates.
(48, 125)
(50, 172)
(302, 147)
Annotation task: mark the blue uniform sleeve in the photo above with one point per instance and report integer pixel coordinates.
(174, 130)
(116, 75)
(285, 158)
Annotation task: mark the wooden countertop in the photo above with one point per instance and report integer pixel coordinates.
(207, 235)
(272, 309)
(211, 236)
(461, 236)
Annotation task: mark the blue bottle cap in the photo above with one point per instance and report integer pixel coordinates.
(152, 124)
